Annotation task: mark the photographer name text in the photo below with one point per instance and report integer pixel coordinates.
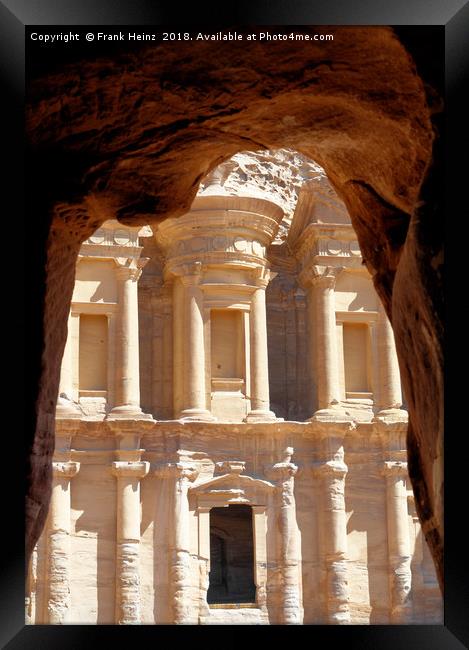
(267, 36)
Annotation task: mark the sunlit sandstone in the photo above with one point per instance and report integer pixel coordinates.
(236, 356)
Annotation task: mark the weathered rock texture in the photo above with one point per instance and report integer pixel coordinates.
(252, 518)
(275, 176)
(131, 138)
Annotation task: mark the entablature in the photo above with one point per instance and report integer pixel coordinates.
(112, 233)
(243, 225)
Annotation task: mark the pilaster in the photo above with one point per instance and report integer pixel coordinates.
(181, 474)
(127, 385)
(400, 576)
(324, 368)
(283, 473)
(331, 476)
(260, 398)
(194, 398)
(128, 474)
(58, 602)
(386, 379)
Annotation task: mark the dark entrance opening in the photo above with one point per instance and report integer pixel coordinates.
(231, 577)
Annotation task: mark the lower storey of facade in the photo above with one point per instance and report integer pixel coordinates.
(211, 523)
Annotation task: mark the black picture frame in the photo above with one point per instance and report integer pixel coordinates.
(15, 15)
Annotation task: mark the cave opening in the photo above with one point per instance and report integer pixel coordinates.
(375, 161)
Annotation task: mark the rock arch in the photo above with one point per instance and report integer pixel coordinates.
(131, 138)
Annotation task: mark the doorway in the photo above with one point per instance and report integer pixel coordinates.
(231, 578)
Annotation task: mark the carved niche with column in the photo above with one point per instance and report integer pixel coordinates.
(217, 265)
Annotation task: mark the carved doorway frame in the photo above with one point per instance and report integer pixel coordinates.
(222, 491)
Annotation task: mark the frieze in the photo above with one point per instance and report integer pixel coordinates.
(112, 233)
(330, 248)
(120, 237)
(219, 244)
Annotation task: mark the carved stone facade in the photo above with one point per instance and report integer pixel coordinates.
(235, 357)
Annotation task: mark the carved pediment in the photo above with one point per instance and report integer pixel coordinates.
(231, 484)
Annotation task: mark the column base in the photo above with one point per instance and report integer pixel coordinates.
(196, 415)
(331, 414)
(67, 409)
(341, 618)
(128, 412)
(260, 415)
(391, 415)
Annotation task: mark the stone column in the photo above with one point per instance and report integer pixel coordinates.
(111, 360)
(416, 568)
(178, 346)
(156, 347)
(194, 398)
(203, 516)
(259, 522)
(128, 474)
(127, 393)
(31, 583)
(180, 577)
(283, 474)
(387, 383)
(301, 352)
(334, 535)
(167, 358)
(66, 407)
(66, 370)
(58, 544)
(74, 336)
(260, 398)
(323, 340)
(398, 541)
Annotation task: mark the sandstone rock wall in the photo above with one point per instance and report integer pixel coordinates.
(93, 526)
(114, 135)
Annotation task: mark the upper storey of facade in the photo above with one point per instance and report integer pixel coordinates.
(254, 306)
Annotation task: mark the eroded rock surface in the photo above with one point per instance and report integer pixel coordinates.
(132, 137)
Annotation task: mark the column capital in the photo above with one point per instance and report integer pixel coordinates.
(281, 472)
(189, 274)
(262, 275)
(285, 469)
(130, 267)
(335, 468)
(130, 469)
(179, 471)
(67, 469)
(394, 468)
(317, 275)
